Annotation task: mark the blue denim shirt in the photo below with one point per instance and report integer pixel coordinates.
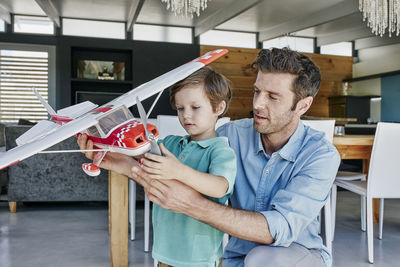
(288, 187)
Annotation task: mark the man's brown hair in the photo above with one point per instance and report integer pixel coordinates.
(216, 87)
(285, 60)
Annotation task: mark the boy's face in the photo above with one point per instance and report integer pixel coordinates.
(195, 112)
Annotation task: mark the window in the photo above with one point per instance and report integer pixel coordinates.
(338, 49)
(93, 28)
(92, 131)
(162, 33)
(31, 24)
(228, 38)
(2, 26)
(19, 72)
(299, 44)
(113, 119)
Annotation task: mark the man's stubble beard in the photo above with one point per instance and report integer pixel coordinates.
(276, 125)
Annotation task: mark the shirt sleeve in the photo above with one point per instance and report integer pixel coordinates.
(297, 205)
(223, 163)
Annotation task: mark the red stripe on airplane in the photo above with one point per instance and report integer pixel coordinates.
(212, 55)
(10, 164)
(101, 109)
(61, 119)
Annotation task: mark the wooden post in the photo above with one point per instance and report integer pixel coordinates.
(13, 206)
(118, 223)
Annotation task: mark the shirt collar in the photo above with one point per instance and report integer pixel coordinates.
(203, 143)
(290, 150)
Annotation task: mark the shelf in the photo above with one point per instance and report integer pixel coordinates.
(101, 81)
(373, 76)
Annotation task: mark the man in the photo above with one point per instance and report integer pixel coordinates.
(284, 172)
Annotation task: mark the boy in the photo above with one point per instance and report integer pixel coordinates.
(201, 160)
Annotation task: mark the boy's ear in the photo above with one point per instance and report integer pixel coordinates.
(220, 108)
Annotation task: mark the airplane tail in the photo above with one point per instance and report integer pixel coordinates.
(49, 109)
(66, 114)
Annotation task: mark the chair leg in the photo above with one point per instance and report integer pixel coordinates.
(370, 230)
(381, 204)
(363, 215)
(146, 223)
(333, 209)
(132, 208)
(328, 224)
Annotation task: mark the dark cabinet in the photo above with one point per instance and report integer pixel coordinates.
(350, 107)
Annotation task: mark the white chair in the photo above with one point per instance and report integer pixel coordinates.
(383, 179)
(326, 126)
(348, 176)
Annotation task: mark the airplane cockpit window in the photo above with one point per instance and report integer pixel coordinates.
(114, 118)
(93, 131)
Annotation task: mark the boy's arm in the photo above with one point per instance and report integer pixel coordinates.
(169, 167)
(205, 183)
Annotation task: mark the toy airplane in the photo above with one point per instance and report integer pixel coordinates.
(111, 127)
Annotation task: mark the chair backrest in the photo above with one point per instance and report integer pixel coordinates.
(170, 125)
(326, 126)
(383, 175)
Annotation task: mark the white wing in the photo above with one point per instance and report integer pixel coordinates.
(63, 132)
(162, 82)
(58, 134)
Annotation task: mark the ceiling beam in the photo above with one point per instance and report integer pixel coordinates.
(5, 14)
(376, 41)
(345, 36)
(337, 11)
(134, 11)
(223, 15)
(50, 10)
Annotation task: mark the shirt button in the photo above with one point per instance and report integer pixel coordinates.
(260, 200)
(266, 171)
(181, 157)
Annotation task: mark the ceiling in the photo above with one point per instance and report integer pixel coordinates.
(329, 21)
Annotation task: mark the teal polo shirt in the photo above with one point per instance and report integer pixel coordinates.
(180, 240)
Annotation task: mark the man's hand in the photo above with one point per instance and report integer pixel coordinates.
(116, 162)
(169, 194)
(162, 167)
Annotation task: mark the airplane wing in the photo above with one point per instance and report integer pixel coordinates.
(164, 81)
(83, 120)
(63, 132)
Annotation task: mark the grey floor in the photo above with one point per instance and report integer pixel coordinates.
(77, 235)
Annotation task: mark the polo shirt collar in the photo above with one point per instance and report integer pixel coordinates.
(203, 143)
(290, 150)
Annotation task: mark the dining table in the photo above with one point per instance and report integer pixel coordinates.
(355, 146)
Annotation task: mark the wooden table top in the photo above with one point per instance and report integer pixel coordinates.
(353, 139)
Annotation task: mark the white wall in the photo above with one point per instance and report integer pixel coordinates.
(377, 60)
(366, 87)
(374, 61)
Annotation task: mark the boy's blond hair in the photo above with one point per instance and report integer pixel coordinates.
(216, 87)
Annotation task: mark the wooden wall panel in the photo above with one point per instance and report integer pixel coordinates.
(236, 66)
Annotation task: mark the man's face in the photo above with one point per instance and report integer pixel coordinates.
(272, 102)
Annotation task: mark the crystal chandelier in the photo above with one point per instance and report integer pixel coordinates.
(185, 7)
(381, 14)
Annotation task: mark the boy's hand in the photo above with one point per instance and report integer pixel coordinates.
(117, 162)
(162, 167)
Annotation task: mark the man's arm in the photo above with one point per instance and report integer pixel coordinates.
(180, 198)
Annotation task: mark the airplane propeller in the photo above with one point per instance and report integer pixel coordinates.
(155, 149)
